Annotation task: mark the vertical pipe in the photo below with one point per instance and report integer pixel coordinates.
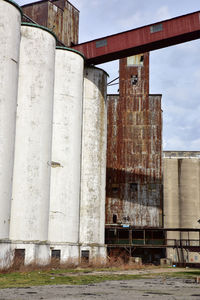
(66, 147)
(10, 22)
(93, 171)
(31, 179)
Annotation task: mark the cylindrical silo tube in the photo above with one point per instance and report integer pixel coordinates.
(93, 170)
(32, 162)
(10, 24)
(66, 149)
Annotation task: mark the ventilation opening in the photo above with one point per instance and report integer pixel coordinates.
(133, 187)
(114, 219)
(134, 79)
(115, 188)
(85, 254)
(142, 58)
(55, 254)
(19, 258)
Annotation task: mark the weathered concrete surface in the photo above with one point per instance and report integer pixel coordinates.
(66, 151)
(31, 176)
(10, 21)
(182, 198)
(159, 288)
(93, 169)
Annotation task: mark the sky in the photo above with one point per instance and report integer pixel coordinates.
(174, 71)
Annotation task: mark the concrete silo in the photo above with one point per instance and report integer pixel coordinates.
(182, 201)
(93, 171)
(10, 23)
(66, 153)
(32, 162)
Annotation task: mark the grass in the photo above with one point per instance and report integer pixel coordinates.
(47, 278)
(75, 277)
(73, 273)
(186, 274)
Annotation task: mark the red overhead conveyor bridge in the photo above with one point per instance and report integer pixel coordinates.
(143, 39)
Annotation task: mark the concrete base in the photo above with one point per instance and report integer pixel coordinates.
(34, 252)
(41, 253)
(68, 252)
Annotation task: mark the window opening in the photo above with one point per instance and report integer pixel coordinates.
(156, 28)
(55, 254)
(134, 79)
(133, 187)
(85, 256)
(19, 258)
(114, 219)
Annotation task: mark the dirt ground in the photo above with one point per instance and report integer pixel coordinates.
(152, 288)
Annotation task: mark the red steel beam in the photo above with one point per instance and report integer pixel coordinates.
(143, 39)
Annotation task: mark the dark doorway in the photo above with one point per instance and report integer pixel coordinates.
(19, 258)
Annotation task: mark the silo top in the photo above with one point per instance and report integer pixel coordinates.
(94, 67)
(16, 5)
(70, 49)
(40, 27)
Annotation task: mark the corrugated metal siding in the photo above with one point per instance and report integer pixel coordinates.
(37, 12)
(61, 17)
(134, 187)
(64, 22)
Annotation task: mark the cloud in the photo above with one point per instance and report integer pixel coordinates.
(174, 71)
(131, 21)
(163, 13)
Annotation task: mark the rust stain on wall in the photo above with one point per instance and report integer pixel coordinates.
(59, 16)
(134, 149)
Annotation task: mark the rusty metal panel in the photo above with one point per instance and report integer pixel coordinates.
(38, 12)
(139, 40)
(59, 16)
(134, 149)
(64, 22)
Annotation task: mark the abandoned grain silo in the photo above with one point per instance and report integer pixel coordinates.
(31, 174)
(93, 167)
(81, 172)
(182, 204)
(66, 153)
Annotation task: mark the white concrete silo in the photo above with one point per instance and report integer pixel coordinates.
(93, 170)
(32, 162)
(10, 23)
(66, 153)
